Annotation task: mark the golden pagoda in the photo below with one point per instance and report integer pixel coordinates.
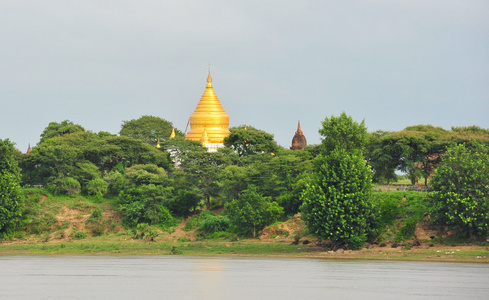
(209, 118)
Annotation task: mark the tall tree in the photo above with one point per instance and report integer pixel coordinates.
(343, 132)
(148, 129)
(336, 202)
(58, 129)
(384, 158)
(202, 170)
(246, 140)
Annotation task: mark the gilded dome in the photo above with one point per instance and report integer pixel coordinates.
(209, 115)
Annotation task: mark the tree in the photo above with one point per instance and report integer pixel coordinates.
(148, 129)
(246, 140)
(144, 204)
(336, 203)
(146, 174)
(461, 190)
(251, 212)
(58, 129)
(384, 158)
(202, 170)
(342, 132)
(10, 191)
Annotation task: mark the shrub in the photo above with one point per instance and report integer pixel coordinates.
(80, 235)
(97, 187)
(184, 203)
(212, 223)
(143, 204)
(70, 186)
(97, 214)
(11, 203)
(461, 191)
(251, 212)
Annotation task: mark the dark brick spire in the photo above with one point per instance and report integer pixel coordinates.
(299, 140)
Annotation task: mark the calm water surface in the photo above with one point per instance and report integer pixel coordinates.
(183, 277)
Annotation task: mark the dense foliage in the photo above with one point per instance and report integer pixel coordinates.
(461, 190)
(251, 212)
(10, 191)
(148, 129)
(252, 180)
(416, 150)
(336, 203)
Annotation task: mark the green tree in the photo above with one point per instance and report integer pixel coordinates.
(184, 203)
(384, 158)
(10, 192)
(202, 170)
(144, 204)
(336, 203)
(251, 212)
(146, 174)
(343, 132)
(58, 129)
(148, 129)
(461, 190)
(246, 140)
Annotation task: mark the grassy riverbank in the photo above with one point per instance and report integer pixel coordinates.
(91, 226)
(124, 245)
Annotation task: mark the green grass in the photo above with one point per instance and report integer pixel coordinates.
(117, 244)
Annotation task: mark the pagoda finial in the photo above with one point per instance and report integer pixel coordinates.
(172, 135)
(158, 144)
(209, 77)
(29, 149)
(299, 141)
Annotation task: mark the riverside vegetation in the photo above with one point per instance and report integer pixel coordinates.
(120, 194)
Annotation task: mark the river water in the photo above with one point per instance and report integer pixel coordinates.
(183, 277)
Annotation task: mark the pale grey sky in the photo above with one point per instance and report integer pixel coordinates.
(97, 63)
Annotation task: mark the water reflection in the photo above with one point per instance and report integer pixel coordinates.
(179, 277)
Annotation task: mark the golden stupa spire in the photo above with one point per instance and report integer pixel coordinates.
(158, 144)
(209, 77)
(172, 135)
(209, 115)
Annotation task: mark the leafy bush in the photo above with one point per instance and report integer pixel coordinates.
(80, 235)
(10, 203)
(97, 187)
(115, 181)
(145, 232)
(402, 209)
(184, 203)
(251, 212)
(69, 186)
(143, 204)
(210, 223)
(461, 191)
(97, 214)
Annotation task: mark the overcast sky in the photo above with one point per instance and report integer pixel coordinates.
(97, 63)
